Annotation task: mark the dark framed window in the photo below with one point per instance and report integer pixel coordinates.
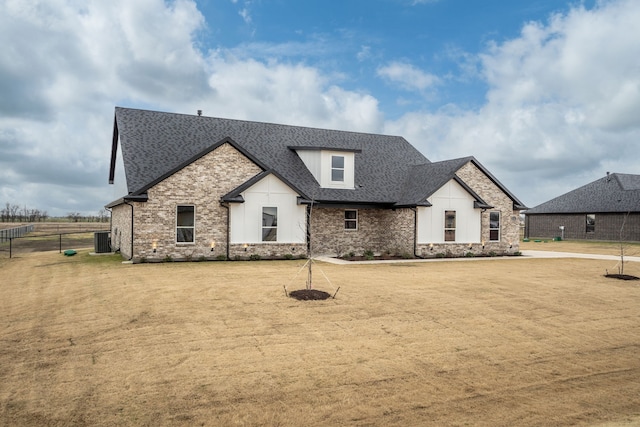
(591, 223)
(449, 226)
(269, 224)
(494, 226)
(185, 223)
(350, 219)
(337, 168)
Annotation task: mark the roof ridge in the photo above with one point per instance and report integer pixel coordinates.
(266, 123)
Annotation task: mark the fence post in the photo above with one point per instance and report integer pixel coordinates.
(60, 244)
(10, 241)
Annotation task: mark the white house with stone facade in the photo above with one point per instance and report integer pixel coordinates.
(209, 188)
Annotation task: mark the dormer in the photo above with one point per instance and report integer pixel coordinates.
(331, 167)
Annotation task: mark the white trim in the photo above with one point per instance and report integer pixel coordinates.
(262, 226)
(192, 227)
(356, 220)
(499, 226)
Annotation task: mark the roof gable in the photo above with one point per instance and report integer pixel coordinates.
(424, 180)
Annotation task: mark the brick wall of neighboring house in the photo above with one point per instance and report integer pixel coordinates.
(607, 226)
(379, 230)
(494, 196)
(201, 184)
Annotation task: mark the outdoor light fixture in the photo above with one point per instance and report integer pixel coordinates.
(213, 245)
(510, 245)
(154, 245)
(470, 245)
(483, 244)
(245, 246)
(430, 246)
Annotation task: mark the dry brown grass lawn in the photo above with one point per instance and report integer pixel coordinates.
(91, 341)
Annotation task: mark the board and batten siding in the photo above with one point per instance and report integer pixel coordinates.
(246, 218)
(450, 197)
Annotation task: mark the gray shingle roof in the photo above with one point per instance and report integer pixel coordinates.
(155, 143)
(613, 193)
(388, 170)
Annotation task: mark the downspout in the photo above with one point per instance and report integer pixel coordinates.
(309, 231)
(127, 203)
(415, 233)
(226, 206)
(110, 227)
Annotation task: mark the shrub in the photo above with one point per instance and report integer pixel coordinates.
(492, 253)
(254, 257)
(469, 254)
(168, 258)
(288, 256)
(352, 254)
(221, 257)
(407, 255)
(440, 255)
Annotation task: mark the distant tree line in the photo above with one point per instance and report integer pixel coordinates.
(17, 213)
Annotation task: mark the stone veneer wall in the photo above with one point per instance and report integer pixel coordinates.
(493, 195)
(267, 250)
(379, 230)
(121, 230)
(201, 184)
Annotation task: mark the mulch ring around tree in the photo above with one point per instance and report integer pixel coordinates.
(309, 295)
(622, 276)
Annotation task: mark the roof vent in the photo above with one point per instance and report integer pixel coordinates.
(608, 177)
(200, 113)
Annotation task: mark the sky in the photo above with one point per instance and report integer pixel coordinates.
(544, 93)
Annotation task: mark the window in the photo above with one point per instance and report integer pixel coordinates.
(494, 226)
(269, 224)
(185, 224)
(350, 220)
(449, 226)
(591, 223)
(337, 168)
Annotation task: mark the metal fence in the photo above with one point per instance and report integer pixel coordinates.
(10, 233)
(14, 246)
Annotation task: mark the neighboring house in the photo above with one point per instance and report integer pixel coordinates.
(202, 187)
(606, 209)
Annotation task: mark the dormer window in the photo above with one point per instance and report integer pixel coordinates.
(331, 167)
(337, 168)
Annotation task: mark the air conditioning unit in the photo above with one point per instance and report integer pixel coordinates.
(102, 242)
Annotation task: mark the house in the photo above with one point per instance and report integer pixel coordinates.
(202, 187)
(605, 209)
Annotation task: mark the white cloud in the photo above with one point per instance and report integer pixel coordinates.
(407, 76)
(563, 105)
(286, 93)
(69, 64)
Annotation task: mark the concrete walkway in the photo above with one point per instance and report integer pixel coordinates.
(525, 255)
